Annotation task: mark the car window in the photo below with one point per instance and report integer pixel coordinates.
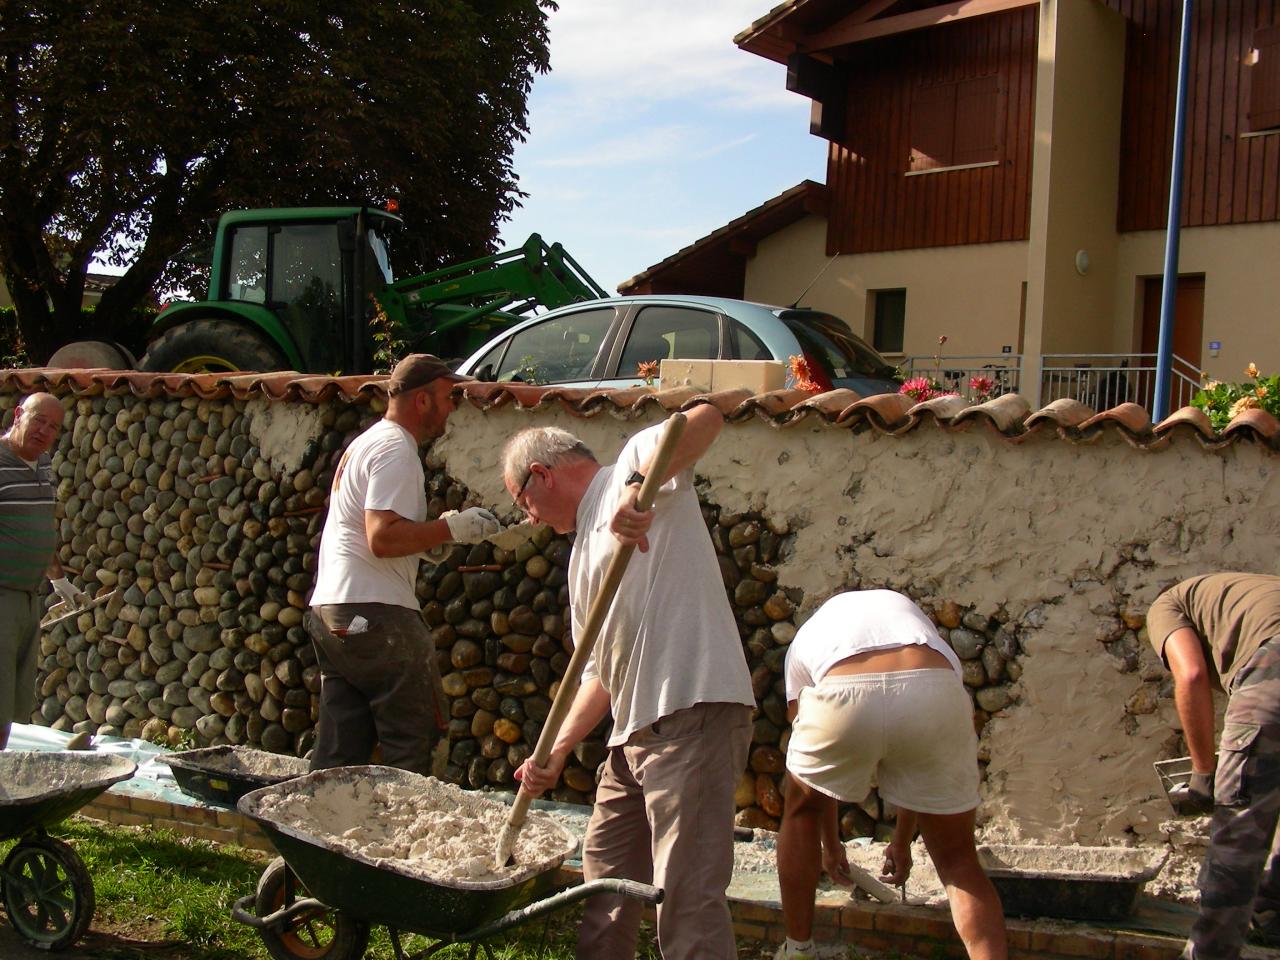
(664, 333)
(827, 342)
(558, 349)
(748, 345)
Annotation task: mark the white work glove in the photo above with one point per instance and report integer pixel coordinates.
(472, 525)
(68, 591)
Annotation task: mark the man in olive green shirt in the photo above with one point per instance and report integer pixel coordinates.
(1223, 630)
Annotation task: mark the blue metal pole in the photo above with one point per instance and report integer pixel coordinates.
(1173, 230)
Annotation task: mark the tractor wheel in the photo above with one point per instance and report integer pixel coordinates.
(320, 935)
(47, 892)
(211, 346)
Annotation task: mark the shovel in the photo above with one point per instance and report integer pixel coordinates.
(62, 610)
(591, 629)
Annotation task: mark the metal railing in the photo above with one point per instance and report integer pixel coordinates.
(1098, 380)
(956, 374)
(1105, 380)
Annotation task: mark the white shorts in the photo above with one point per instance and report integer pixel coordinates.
(911, 730)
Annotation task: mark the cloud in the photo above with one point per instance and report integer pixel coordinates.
(619, 50)
(648, 145)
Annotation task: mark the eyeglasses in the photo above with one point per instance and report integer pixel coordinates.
(519, 497)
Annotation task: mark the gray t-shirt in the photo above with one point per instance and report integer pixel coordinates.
(669, 640)
(27, 534)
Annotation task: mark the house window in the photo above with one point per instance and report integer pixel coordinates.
(1264, 80)
(889, 316)
(955, 124)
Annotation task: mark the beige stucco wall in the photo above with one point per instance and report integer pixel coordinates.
(971, 294)
(1075, 179)
(1064, 542)
(1241, 291)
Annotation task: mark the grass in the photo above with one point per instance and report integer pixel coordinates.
(175, 893)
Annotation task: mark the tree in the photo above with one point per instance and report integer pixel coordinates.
(127, 127)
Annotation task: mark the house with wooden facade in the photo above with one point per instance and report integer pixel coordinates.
(998, 175)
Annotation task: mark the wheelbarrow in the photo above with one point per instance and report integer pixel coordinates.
(47, 891)
(319, 899)
(223, 774)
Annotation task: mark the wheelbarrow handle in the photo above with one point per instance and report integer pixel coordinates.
(631, 889)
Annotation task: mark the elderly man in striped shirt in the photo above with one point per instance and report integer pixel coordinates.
(28, 550)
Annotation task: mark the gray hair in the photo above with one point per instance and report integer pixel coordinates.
(546, 445)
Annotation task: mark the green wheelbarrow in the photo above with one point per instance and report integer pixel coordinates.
(318, 900)
(47, 890)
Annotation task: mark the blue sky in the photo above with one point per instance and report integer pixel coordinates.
(652, 129)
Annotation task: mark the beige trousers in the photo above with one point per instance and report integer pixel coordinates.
(664, 815)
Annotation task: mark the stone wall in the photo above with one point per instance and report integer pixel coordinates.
(1037, 559)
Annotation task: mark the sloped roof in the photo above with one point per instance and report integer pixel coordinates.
(893, 415)
(715, 265)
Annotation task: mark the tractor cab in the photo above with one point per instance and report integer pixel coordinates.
(288, 289)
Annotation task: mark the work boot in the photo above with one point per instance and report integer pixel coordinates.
(788, 951)
(1264, 929)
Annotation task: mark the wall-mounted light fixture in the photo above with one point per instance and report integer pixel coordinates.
(1082, 262)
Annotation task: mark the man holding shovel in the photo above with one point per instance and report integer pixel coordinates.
(378, 675)
(1223, 630)
(668, 664)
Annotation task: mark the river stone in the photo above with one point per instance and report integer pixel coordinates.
(967, 644)
(203, 638)
(750, 593)
(992, 699)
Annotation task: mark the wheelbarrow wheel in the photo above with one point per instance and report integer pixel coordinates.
(316, 935)
(47, 892)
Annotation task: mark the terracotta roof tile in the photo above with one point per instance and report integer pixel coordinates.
(884, 411)
(1188, 418)
(1005, 413)
(1254, 423)
(890, 414)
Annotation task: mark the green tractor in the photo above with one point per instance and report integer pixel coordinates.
(305, 289)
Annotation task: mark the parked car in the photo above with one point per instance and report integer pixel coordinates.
(600, 343)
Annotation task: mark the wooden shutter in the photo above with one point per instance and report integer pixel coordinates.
(978, 121)
(1264, 80)
(933, 126)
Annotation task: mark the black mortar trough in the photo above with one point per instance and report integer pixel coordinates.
(222, 775)
(387, 892)
(1070, 883)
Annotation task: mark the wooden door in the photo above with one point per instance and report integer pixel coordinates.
(1188, 329)
(1188, 317)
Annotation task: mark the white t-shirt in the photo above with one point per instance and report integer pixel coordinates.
(380, 470)
(669, 640)
(853, 623)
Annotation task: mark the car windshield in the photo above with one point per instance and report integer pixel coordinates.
(827, 342)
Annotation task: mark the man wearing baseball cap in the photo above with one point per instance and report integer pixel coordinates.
(379, 680)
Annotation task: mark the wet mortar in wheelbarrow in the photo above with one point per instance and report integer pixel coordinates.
(377, 845)
(47, 891)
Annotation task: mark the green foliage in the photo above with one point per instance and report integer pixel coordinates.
(1223, 401)
(389, 346)
(128, 126)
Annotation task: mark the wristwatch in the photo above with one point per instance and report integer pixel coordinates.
(636, 477)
